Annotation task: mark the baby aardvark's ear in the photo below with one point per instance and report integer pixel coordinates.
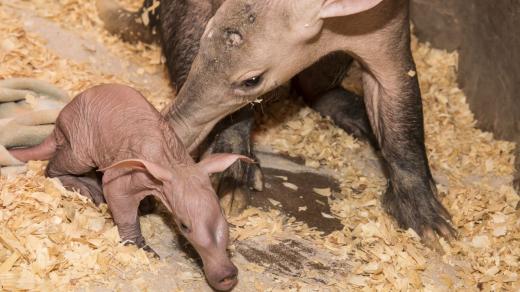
(335, 8)
(219, 162)
(156, 170)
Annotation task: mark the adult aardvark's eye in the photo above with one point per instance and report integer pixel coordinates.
(252, 82)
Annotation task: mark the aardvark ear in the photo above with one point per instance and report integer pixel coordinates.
(219, 162)
(335, 8)
(154, 169)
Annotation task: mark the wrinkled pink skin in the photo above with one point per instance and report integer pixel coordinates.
(114, 129)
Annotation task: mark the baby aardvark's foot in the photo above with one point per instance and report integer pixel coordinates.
(142, 244)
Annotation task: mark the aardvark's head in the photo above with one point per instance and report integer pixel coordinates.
(187, 191)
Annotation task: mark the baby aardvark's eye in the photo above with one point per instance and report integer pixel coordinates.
(184, 228)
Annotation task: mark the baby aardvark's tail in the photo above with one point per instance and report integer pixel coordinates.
(43, 151)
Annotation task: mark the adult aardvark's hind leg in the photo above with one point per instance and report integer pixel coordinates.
(394, 107)
(233, 135)
(320, 85)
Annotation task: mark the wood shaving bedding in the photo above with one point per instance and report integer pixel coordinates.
(54, 239)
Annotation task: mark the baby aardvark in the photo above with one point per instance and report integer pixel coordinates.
(112, 128)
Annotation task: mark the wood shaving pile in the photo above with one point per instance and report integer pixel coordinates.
(51, 238)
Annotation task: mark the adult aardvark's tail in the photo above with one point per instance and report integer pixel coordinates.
(130, 26)
(43, 151)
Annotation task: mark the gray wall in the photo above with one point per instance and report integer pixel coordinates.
(487, 35)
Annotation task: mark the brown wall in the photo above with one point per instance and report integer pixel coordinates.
(487, 35)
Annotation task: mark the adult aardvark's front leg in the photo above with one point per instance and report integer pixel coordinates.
(233, 135)
(394, 105)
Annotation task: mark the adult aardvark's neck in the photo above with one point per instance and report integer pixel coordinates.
(189, 122)
(198, 108)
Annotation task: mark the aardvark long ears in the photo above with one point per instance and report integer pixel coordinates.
(335, 8)
(157, 171)
(215, 163)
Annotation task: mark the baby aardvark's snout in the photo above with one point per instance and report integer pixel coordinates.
(222, 278)
(202, 222)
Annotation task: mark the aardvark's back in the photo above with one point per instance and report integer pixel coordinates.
(109, 122)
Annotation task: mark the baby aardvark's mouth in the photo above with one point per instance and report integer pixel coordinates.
(227, 279)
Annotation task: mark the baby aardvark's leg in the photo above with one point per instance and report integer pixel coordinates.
(124, 211)
(74, 173)
(88, 186)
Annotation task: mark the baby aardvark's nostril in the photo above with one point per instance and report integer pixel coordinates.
(231, 275)
(229, 279)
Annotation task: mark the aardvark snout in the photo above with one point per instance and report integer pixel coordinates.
(222, 278)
